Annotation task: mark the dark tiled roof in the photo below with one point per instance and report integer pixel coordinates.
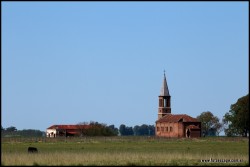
(177, 118)
(193, 127)
(68, 126)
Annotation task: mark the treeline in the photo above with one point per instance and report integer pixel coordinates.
(137, 130)
(95, 129)
(13, 132)
(100, 129)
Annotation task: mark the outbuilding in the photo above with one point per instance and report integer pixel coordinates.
(65, 130)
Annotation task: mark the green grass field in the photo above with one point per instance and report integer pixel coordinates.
(131, 151)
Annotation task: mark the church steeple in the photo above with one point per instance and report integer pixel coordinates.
(164, 100)
(164, 89)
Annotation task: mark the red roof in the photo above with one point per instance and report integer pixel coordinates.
(193, 127)
(68, 126)
(72, 132)
(177, 118)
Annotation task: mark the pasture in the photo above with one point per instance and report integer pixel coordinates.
(126, 151)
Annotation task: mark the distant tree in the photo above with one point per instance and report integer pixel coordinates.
(136, 130)
(151, 129)
(97, 129)
(122, 130)
(11, 129)
(129, 131)
(82, 128)
(236, 121)
(143, 130)
(30, 133)
(218, 128)
(209, 122)
(114, 129)
(125, 130)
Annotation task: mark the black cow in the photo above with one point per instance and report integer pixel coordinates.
(32, 150)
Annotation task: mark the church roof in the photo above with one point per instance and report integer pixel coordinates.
(193, 127)
(164, 89)
(177, 118)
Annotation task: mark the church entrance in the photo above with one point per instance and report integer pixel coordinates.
(188, 133)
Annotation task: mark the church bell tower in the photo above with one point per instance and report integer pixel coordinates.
(164, 100)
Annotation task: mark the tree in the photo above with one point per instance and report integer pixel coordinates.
(82, 128)
(113, 129)
(136, 130)
(129, 131)
(30, 133)
(144, 130)
(122, 130)
(125, 130)
(96, 129)
(151, 129)
(209, 122)
(236, 121)
(11, 129)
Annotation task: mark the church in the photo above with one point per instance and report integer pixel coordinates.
(174, 125)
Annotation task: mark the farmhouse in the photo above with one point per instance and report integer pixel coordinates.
(174, 125)
(65, 130)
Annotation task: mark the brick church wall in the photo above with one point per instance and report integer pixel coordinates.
(169, 129)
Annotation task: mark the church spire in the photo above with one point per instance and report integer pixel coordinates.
(164, 89)
(164, 100)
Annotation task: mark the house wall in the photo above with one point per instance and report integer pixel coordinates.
(178, 129)
(181, 131)
(51, 132)
(195, 133)
(169, 129)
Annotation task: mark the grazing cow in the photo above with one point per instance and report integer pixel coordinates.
(32, 150)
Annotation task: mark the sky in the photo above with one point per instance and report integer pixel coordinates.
(72, 62)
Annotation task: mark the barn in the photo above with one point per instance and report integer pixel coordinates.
(174, 125)
(65, 130)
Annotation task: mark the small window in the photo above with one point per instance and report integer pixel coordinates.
(157, 128)
(160, 102)
(171, 129)
(167, 129)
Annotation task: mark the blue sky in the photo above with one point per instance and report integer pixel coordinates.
(71, 62)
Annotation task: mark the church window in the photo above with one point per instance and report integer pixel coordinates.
(160, 102)
(165, 102)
